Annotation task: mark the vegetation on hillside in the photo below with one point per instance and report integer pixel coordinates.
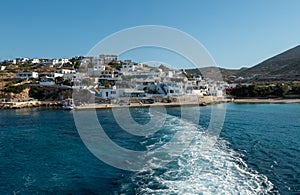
(17, 89)
(115, 65)
(15, 86)
(266, 90)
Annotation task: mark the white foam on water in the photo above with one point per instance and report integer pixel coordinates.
(219, 170)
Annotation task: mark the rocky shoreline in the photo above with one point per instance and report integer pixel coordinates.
(184, 101)
(33, 104)
(201, 102)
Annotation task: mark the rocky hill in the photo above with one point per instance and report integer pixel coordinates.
(285, 66)
(282, 67)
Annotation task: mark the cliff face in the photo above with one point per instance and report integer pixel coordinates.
(49, 93)
(24, 95)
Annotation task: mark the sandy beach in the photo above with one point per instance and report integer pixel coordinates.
(256, 100)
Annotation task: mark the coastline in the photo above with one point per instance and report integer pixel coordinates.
(269, 100)
(30, 104)
(204, 101)
(137, 105)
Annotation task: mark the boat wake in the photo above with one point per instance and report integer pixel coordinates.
(218, 170)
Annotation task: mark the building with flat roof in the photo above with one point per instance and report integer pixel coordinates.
(27, 75)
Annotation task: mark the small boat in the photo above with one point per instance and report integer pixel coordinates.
(68, 104)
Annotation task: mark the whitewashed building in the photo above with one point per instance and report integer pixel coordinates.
(142, 84)
(129, 66)
(47, 82)
(27, 75)
(54, 75)
(96, 70)
(105, 59)
(109, 93)
(65, 71)
(61, 61)
(34, 61)
(170, 88)
(24, 60)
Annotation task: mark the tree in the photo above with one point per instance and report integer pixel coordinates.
(240, 91)
(77, 64)
(59, 80)
(16, 89)
(87, 82)
(68, 82)
(281, 90)
(106, 84)
(115, 64)
(146, 89)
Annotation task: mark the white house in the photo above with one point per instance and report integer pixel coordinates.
(24, 60)
(27, 75)
(109, 74)
(170, 88)
(61, 61)
(76, 77)
(114, 93)
(127, 92)
(54, 75)
(128, 67)
(198, 92)
(55, 61)
(105, 59)
(110, 93)
(216, 88)
(141, 83)
(47, 62)
(34, 61)
(86, 60)
(47, 82)
(65, 71)
(216, 92)
(96, 70)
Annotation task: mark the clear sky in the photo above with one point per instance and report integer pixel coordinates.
(236, 33)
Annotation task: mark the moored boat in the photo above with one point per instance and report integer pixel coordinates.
(68, 104)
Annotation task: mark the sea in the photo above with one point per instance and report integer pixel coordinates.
(256, 152)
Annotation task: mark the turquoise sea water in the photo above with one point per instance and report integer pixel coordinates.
(258, 151)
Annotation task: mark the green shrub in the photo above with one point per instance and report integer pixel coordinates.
(16, 89)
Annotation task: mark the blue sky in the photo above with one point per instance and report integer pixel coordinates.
(236, 33)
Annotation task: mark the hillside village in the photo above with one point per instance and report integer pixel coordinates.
(105, 77)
